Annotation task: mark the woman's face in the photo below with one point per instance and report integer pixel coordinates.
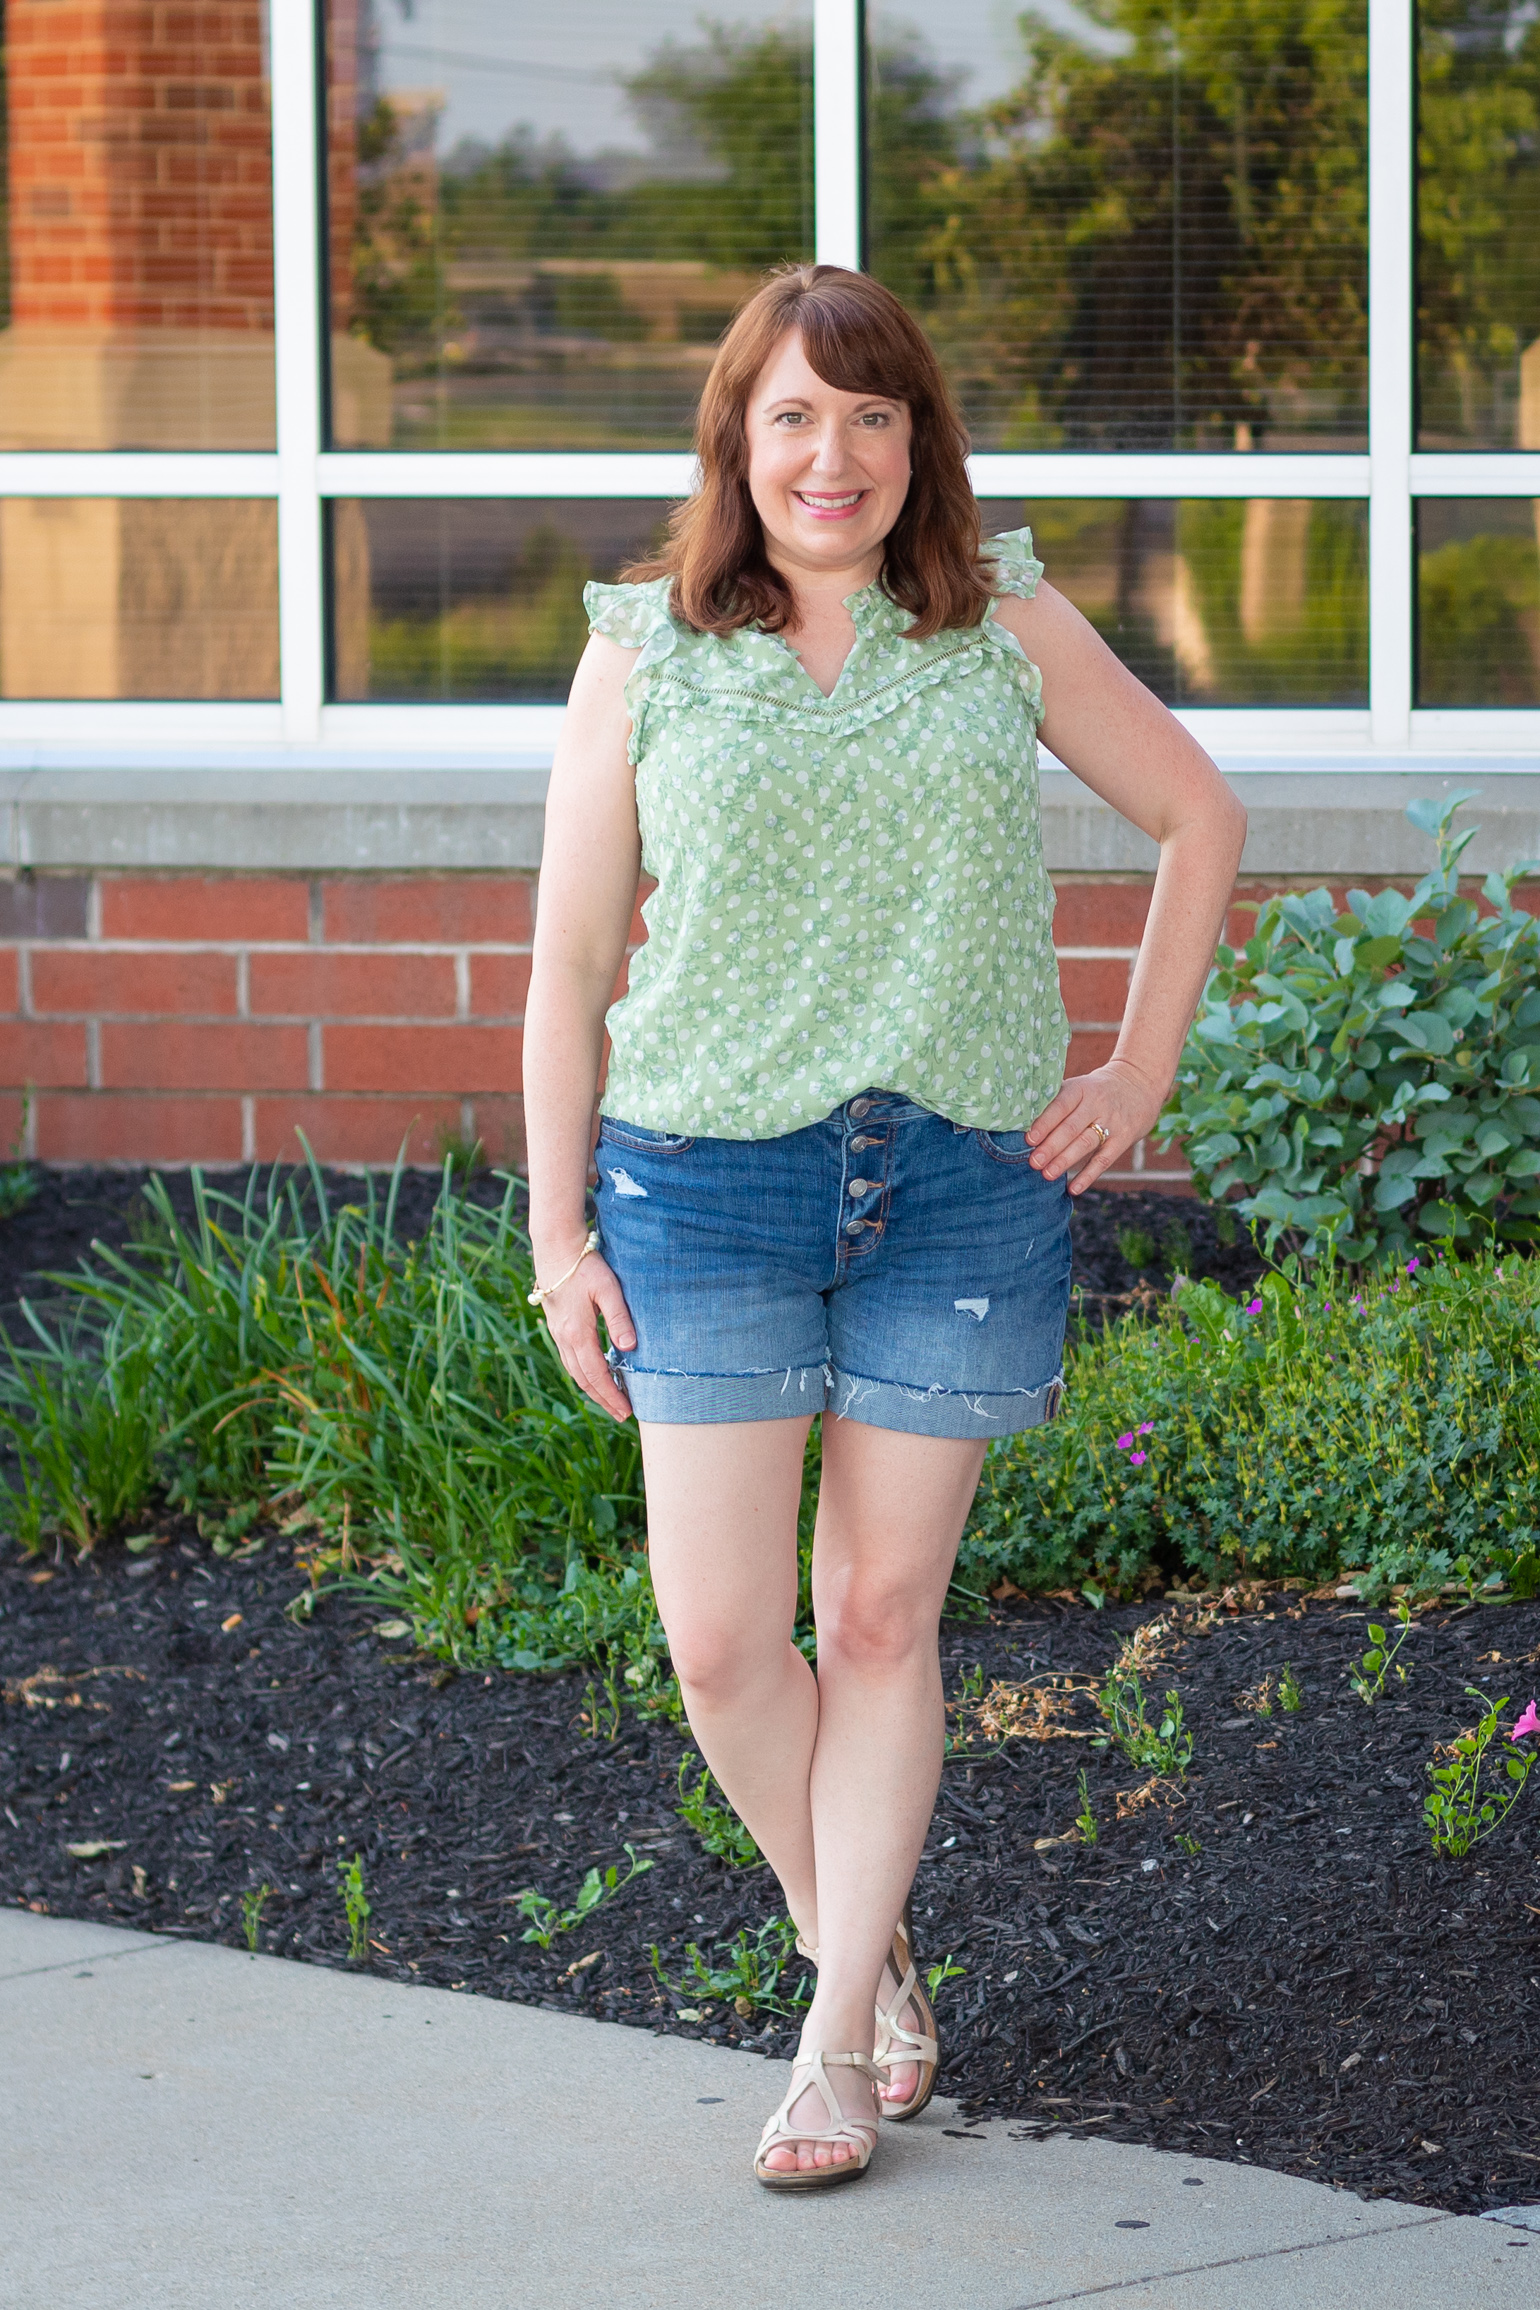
(828, 471)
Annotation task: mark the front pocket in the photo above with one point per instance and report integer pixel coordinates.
(643, 1141)
(1006, 1146)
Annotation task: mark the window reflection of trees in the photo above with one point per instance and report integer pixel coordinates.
(519, 295)
(1478, 224)
(1157, 239)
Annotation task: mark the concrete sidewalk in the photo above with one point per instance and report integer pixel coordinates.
(189, 2128)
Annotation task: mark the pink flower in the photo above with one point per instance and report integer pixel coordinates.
(1125, 1441)
(1253, 1307)
(1147, 1428)
(1412, 1266)
(1529, 1722)
(1137, 1460)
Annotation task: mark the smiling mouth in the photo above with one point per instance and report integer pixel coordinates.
(829, 504)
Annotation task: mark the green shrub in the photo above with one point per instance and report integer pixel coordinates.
(1391, 1425)
(1370, 1079)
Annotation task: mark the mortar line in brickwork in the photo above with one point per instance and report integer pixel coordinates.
(313, 1053)
(1097, 953)
(94, 907)
(93, 1054)
(243, 984)
(462, 984)
(317, 906)
(248, 1128)
(24, 981)
(265, 946)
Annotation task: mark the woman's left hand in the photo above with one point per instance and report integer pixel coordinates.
(1064, 1136)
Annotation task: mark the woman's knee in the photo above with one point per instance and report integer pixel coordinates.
(718, 1661)
(875, 1621)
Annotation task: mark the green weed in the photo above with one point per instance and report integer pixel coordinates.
(547, 1920)
(1457, 1813)
(751, 1973)
(1085, 1819)
(356, 1902)
(252, 1905)
(1162, 1748)
(717, 1826)
(1368, 1679)
(1291, 1692)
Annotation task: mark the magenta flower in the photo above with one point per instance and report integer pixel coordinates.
(1137, 1460)
(1147, 1428)
(1412, 1266)
(1253, 1307)
(1125, 1441)
(1529, 1722)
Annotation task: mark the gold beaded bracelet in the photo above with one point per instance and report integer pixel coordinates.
(542, 1292)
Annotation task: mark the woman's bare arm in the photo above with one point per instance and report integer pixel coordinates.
(588, 877)
(1107, 728)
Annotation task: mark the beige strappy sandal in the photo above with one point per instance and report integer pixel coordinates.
(857, 2133)
(897, 2045)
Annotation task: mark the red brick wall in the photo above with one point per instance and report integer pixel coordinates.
(177, 1019)
(182, 1018)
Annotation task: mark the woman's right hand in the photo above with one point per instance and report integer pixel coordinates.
(572, 1312)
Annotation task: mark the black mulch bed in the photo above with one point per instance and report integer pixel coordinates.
(1310, 1990)
(71, 1209)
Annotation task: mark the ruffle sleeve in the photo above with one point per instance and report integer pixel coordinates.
(1017, 568)
(629, 615)
(637, 618)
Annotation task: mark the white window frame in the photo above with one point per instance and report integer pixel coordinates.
(303, 476)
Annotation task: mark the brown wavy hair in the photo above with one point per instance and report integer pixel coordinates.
(858, 338)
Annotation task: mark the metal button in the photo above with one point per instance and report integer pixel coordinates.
(860, 1187)
(862, 1141)
(854, 1226)
(859, 1107)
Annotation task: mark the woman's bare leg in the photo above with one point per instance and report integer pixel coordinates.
(890, 1514)
(836, 1779)
(722, 1507)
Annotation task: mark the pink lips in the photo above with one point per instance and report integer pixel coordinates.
(831, 512)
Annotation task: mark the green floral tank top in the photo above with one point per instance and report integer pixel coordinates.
(851, 889)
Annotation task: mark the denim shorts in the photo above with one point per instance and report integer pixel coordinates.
(884, 1265)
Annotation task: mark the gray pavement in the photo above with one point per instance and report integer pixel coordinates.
(189, 2128)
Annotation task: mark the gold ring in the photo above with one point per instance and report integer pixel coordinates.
(1102, 1133)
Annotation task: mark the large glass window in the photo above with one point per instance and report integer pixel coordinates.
(1478, 224)
(138, 597)
(1260, 601)
(136, 305)
(1142, 226)
(1478, 602)
(341, 341)
(541, 221)
(467, 598)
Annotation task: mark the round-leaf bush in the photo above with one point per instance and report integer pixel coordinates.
(1370, 1079)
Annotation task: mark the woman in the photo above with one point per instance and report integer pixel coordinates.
(837, 1153)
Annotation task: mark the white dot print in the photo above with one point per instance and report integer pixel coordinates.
(872, 866)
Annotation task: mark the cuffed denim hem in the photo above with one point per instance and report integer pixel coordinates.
(691, 1399)
(937, 1411)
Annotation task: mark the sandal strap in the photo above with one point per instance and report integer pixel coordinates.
(913, 2045)
(805, 1949)
(858, 2132)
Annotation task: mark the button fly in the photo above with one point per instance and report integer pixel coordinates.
(860, 1107)
(860, 1187)
(854, 1226)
